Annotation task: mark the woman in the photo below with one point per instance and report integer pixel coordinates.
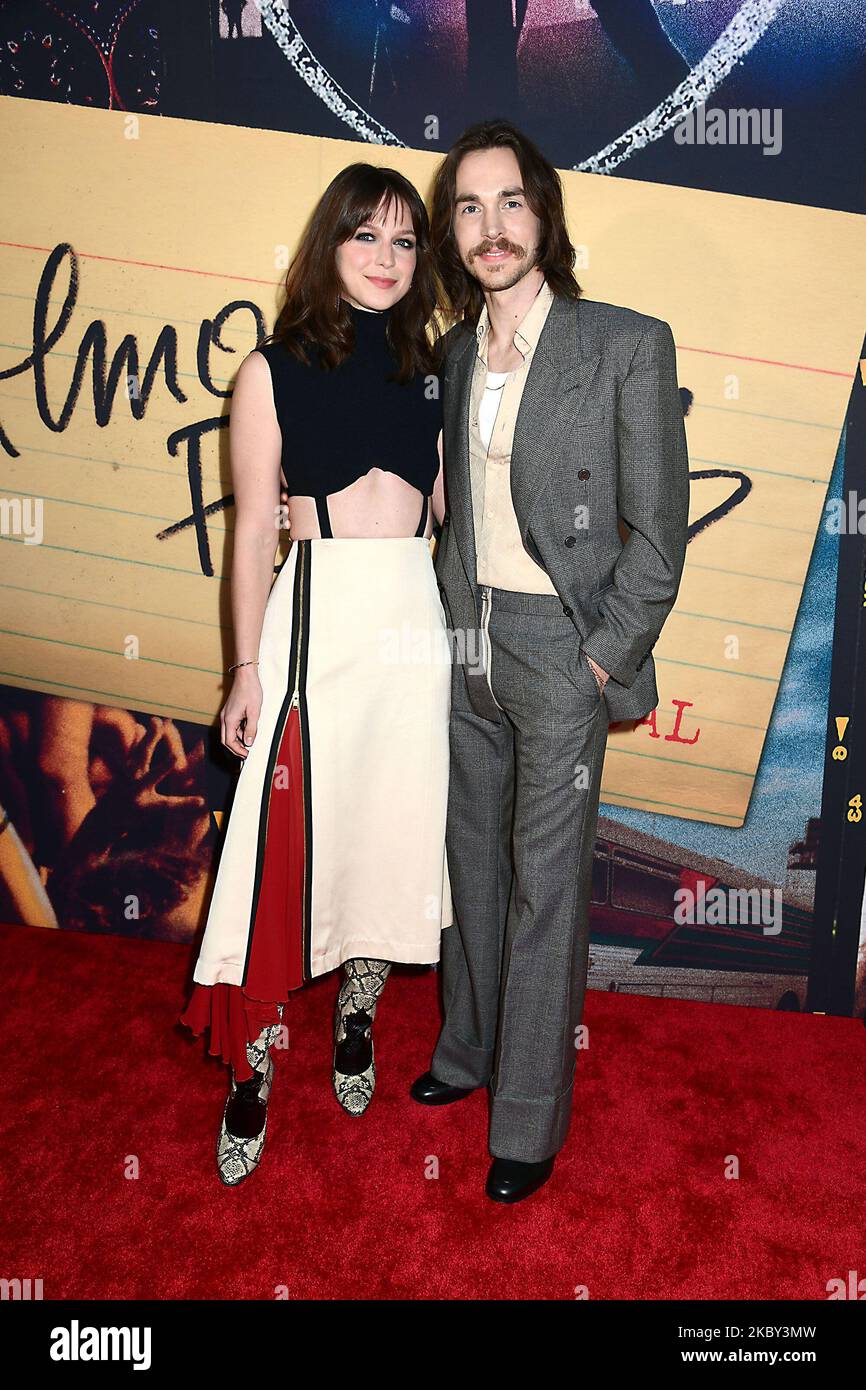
(334, 852)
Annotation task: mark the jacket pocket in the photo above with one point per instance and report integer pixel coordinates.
(589, 674)
(596, 596)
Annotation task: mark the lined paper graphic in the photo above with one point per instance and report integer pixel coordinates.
(148, 266)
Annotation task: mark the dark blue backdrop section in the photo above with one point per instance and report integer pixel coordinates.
(594, 85)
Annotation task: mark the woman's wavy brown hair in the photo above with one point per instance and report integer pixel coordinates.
(315, 312)
(543, 187)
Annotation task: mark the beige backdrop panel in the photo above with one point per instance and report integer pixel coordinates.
(171, 221)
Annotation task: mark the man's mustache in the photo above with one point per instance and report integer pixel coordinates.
(498, 246)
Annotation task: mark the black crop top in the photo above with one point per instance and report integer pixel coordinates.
(337, 425)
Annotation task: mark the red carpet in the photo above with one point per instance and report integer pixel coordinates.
(99, 1082)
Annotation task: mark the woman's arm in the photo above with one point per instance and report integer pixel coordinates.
(23, 897)
(63, 733)
(255, 447)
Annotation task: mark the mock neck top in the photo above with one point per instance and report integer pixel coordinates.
(338, 424)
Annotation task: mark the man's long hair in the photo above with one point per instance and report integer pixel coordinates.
(543, 189)
(315, 312)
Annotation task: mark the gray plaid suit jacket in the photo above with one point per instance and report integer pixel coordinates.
(599, 436)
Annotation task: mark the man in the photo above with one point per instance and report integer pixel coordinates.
(560, 415)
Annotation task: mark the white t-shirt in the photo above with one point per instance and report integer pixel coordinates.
(489, 407)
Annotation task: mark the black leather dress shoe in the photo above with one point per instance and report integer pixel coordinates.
(509, 1180)
(428, 1091)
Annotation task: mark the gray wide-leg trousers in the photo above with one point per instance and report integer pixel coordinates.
(522, 818)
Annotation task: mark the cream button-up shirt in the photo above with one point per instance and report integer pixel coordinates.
(501, 558)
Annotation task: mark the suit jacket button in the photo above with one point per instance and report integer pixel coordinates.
(583, 474)
(566, 610)
(571, 540)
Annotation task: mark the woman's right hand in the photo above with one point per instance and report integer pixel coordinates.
(239, 716)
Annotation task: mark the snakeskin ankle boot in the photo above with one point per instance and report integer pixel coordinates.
(245, 1117)
(354, 1064)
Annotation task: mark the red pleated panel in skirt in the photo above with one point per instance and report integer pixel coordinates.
(236, 1014)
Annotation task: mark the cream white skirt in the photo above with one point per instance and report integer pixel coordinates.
(335, 842)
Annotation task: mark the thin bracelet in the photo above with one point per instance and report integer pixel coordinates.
(243, 663)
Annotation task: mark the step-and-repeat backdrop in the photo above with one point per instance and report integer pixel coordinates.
(155, 183)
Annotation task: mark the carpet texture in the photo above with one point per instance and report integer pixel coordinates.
(111, 1113)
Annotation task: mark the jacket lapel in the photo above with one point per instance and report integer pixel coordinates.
(458, 382)
(557, 385)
